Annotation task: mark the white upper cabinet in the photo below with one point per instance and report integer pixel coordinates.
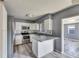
(48, 24)
(18, 26)
(34, 26)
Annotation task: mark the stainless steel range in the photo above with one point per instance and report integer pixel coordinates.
(25, 34)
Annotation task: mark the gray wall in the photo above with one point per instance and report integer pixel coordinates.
(10, 30)
(10, 37)
(57, 22)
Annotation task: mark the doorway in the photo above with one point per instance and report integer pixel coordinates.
(70, 36)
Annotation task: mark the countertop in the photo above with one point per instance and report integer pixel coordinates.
(36, 32)
(44, 38)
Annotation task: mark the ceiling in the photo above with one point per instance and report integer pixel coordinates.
(34, 8)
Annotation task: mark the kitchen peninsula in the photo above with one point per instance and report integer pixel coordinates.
(42, 45)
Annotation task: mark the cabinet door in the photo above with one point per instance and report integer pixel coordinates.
(48, 24)
(34, 26)
(32, 37)
(18, 39)
(19, 26)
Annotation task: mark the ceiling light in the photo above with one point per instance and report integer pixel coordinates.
(29, 15)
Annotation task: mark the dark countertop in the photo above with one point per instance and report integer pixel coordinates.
(33, 32)
(40, 36)
(44, 38)
(41, 33)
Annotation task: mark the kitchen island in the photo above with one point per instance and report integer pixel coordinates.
(42, 45)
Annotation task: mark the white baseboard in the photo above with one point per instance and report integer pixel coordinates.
(63, 53)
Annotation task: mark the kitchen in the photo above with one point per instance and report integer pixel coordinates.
(34, 28)
(35, 33)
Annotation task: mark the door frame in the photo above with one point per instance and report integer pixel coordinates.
(69, 20)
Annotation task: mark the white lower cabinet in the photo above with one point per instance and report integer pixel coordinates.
(32, 37)
(40, 49)
(18, 39)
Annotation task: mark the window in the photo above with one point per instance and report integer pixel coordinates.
(71, 29)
